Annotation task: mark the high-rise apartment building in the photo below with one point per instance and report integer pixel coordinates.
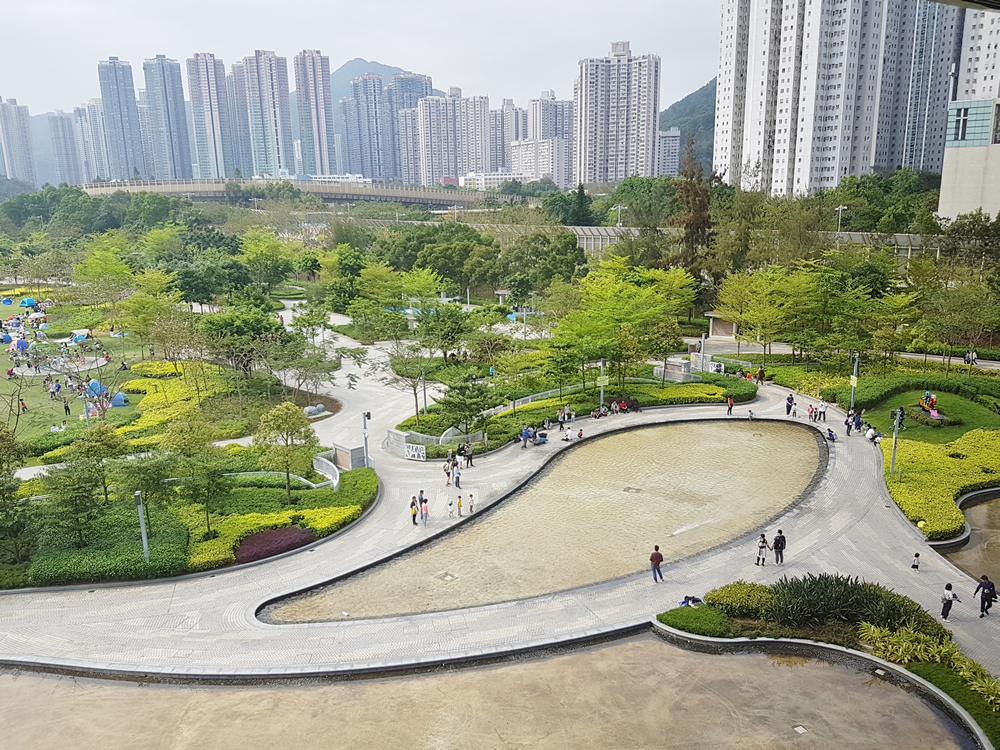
(121, 120)
(65, 149)
(508, 124)
(810, 92)
(668, 157)
(403, 93)
(91, 141)
(315, 103)
(261, 107)
(616, 114)
(452, 136)
(213, 132)
(168, 125)
(543, 158)
(365, 119)
(549, 117)
(146, 134)
(15, 142)
(978, 77)
(409, 146)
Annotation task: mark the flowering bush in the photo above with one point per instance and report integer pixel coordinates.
(157, 369)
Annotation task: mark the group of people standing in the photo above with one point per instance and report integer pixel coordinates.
(419, 507)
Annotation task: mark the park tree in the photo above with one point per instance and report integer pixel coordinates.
(13, 453)
(96, 448)
(74, 502)
(405, 371)
(18, 529)
(148, 474)
(463, 403)
(662, 339)
(266, 259)
(694, 214)
(286, 442)
(442, 327)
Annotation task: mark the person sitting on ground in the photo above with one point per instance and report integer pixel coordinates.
(54, 428)
(831, 435)
(579, 435)
(870, 434)
(123, 367)
(10, 373)
(569, 435)
(63, 428)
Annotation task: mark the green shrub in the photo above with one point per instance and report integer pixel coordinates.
(742, 599)
(813, 601)
(951, 682)
(272, 481)
(157, 369)
(702, 620)
(872, 390)
(14, 576)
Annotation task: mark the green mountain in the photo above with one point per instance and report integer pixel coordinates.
(694, 113)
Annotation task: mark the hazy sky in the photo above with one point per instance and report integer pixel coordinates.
(504, 49)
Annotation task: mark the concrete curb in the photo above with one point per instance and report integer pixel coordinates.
(832, 653)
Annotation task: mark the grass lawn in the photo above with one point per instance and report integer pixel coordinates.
(972, 415)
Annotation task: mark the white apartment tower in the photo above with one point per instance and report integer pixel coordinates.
(90, 138)
(65, 149)
(315, 102)
(617, 109)
(668, 155)
(15, 142)
(171, 147)
(811, 91)
(978, 77)
(259, 90)
(453, 136)
(213, 134)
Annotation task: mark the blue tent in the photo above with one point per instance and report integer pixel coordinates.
(96, 388)
(79, 338)
(6, 301)
(27, 302)
(120, 399)
(6, 338)
(18, 346)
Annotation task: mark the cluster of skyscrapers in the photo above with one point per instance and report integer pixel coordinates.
(810, 91)
(240, 123)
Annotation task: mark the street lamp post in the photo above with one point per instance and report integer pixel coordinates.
(603, 361)
(142, 523)
(704, 345)
(365, 416)
(840, 221)
(854, 380)
(897, 423)
(398, 214)
(619, 209)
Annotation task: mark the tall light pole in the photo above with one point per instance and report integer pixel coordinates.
(603, 361)
(365, 416)
(142, 523)
(898, 421)
(398, 215)
(854, 380)
(619, 209)
(704, 345)
(840, 221)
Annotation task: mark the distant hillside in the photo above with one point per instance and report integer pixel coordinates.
(694, 113)
(340, 80)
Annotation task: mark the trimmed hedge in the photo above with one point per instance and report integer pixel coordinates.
(707, 621)
(873, 391)
(934, 476)
(742, 599)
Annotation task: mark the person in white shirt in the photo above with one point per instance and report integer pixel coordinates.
(822, 411)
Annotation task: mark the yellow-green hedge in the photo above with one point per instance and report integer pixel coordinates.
(157, 369)
(742, 599)
(935, 475)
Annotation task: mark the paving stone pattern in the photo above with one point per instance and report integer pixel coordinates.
(206, 626)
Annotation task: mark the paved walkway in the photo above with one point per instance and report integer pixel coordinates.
(206, 626)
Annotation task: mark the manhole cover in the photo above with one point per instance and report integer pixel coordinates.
(445, 576)
(632, 489)
(800, 730)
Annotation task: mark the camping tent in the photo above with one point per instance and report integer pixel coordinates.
(79, 339)
(96, 388)
(27, 302)
(18, 346)
(120, 399)
(6, 301)
(6, 338)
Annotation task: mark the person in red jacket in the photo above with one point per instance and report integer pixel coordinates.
(655, 560)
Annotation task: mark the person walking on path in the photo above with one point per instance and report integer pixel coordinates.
(810, 412)
(468, 454)
(459, 506)
(795, 409)
(915, 565)
(762, 548)
(779, 548)
(989, 595)
(760, 376)
(849, 423)
(857, 422)
(729, 405)
(458, 475)
(789, 402)
(413, 510)
(655, 560)
(447, 472)
(423, 511)
(948, 598)
(822, 411)
(471, 507)
(66, 407)
(451, 508)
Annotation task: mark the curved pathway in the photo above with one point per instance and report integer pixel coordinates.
(205, 627)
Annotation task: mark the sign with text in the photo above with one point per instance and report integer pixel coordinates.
(603, 380)
(416, 452)
(854, 381)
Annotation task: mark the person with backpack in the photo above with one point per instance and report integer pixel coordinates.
(779, 548)
(989, 595)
